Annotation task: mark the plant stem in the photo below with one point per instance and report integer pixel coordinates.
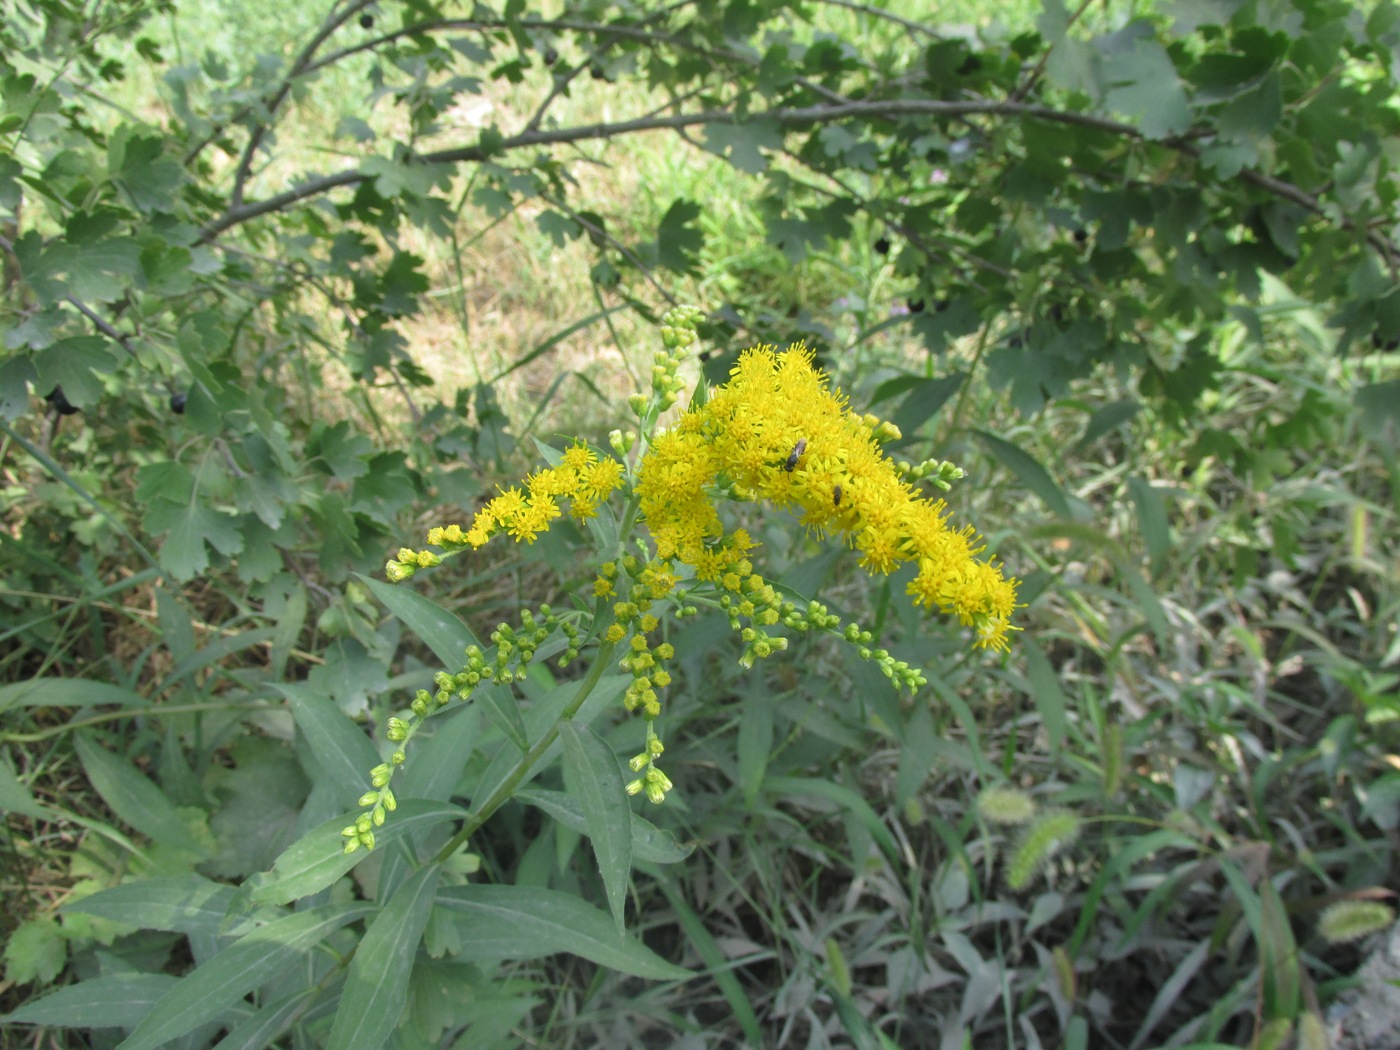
(481, 813)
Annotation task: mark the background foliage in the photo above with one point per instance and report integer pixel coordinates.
(281, 289)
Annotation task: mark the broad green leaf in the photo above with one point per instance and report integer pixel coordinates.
(1030, 472)
(1278, 956)
(650, 844)
(204, 993)
(1049, 696)
(1108, 417)
(318, 858)
(36, 951)
(186, 904)
(133, 798)
(434, 766)
(592, 777)
(527, 922)
(188, 527)
(1143, 83)
(743, 143)
(339, 744)
(75, 364)
(917, 753)
(438, 629)
(117, 1001)
(378, 979)
(925, 398)
(678, 242)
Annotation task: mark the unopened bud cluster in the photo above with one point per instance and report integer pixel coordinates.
(640, 585)
(409, 561)
(937, 472)
(677, 335)
(503, 664)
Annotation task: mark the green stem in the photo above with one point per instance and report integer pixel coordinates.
(154, 711)
(480, 814)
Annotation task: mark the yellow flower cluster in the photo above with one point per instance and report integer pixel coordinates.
(776, 432)
(581, 477)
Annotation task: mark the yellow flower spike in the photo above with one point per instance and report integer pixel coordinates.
(775, 432)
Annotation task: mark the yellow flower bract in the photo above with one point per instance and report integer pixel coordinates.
(775, 432)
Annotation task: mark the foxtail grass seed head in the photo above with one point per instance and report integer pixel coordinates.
(1350, 920)
(1046, 836)
(1004, 805)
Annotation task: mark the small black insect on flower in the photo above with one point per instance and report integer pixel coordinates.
(836, 496)
(795, 455)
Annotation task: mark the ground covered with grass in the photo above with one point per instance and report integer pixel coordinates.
(288, 292)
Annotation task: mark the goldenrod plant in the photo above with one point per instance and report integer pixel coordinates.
(774, 433)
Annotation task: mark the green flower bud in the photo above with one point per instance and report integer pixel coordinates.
(397, 572)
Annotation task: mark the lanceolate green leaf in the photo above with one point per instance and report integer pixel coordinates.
(378, 980)
(182, 903)
(317, 859)
(650, 844)
(527, 922)
(1030, 472)
(340, 746)
(67, 692)
(132, 797)
(592, 777)
(205, 992)
(440, 630)
(115, 1001)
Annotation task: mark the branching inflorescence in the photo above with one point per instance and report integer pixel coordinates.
(773, 433)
